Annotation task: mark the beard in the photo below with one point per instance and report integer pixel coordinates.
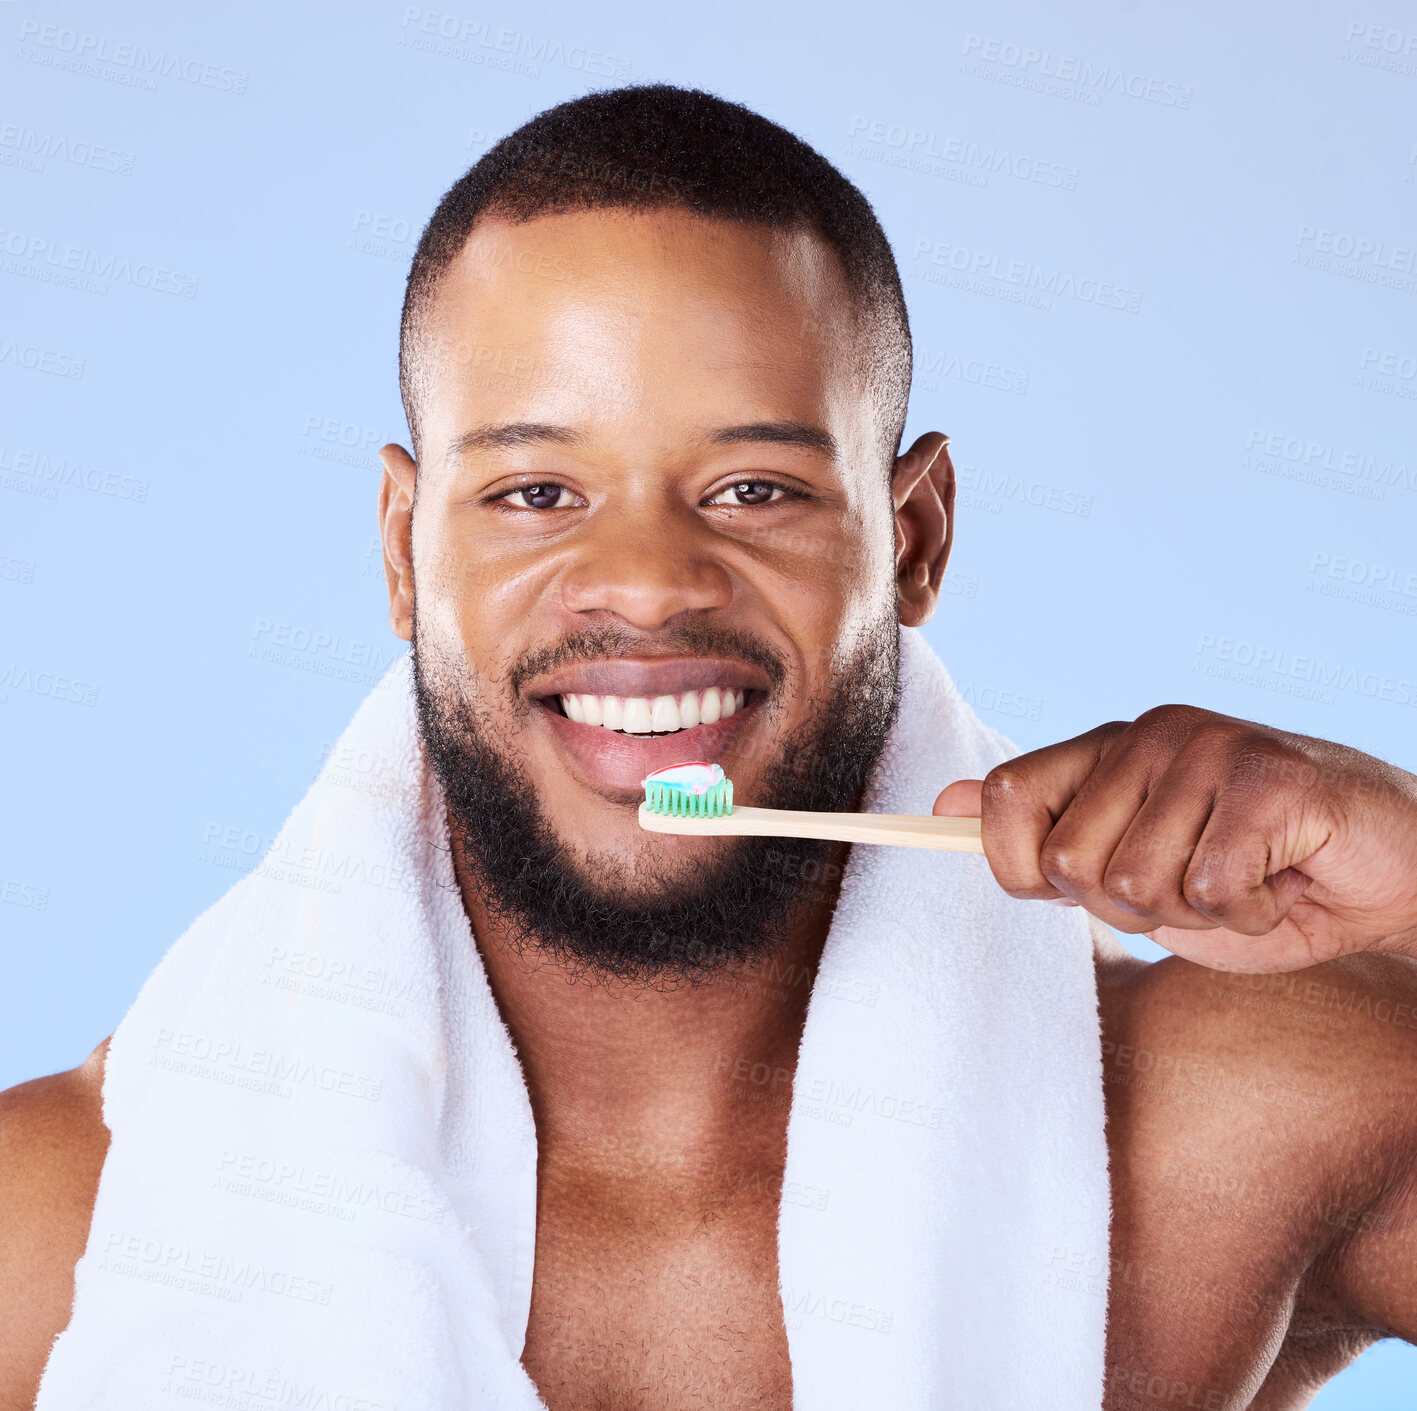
(641, 919)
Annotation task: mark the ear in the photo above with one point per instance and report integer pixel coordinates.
(923, 492)
(396, 532)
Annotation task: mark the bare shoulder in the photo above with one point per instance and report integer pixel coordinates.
(1263, 1141)
(52, 1147)
(1321, 1028)
(1317, 1066)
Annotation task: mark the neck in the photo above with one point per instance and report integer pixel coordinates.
(609, 1062)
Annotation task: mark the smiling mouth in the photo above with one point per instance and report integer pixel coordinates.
(652, 715)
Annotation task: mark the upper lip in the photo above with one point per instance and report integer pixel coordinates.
(651, 676)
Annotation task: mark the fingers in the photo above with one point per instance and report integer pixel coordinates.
(1140, 878)
(1238, 877)
(1122, 844)
(1208, 848)
(1174, 821)
(962, 799)
(1023, 798)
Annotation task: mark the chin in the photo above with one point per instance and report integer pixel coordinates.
(648, 870)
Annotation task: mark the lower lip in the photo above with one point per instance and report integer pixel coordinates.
(615, 762)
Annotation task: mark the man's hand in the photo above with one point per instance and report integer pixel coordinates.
(1234, 845)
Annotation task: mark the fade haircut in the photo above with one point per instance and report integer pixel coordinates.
(654, 146)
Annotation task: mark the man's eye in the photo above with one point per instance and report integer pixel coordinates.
(541, 497)
(748, 492)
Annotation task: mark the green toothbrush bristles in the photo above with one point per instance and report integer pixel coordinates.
(677, 802)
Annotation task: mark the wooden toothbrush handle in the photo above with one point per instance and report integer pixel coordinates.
(906, 830)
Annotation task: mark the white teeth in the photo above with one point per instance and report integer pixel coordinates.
(662, 715)
(638, 720)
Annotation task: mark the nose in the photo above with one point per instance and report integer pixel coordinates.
(646, 570)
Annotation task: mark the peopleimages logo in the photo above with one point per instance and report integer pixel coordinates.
(57, 46)
(1375, 585)
(21, 145)
(45, 475)
(990, 490)
(1359, 248)
(91, 270)
(1394, 374)
(1276, 452)
(1360, 573)
(35, 358)
(1379, 46)
(1383, 38)
(1064, 69)
(933, 365)
(47, 684)
(1361, 257)
(456, 37)
(916, 147)
(1289, 673)
(983, 271)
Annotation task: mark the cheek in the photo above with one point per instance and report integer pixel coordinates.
(435, 600)
(466, 593)
(880, 534)
(866, 583)
(826, 602)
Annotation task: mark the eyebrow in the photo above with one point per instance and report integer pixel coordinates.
(500, 436)
(506, 435)
(786, 433)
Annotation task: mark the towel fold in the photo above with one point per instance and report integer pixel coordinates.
(321, 1187)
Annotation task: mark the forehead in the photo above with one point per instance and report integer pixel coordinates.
(663, 317)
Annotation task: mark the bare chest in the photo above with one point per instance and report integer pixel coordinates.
(649, 1295)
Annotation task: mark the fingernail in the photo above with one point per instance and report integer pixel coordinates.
(1060, 901)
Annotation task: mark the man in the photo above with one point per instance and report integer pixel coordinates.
(655, 363)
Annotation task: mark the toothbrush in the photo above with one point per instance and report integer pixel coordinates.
(697, 798)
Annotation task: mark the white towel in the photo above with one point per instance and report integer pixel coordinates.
(321, 1189)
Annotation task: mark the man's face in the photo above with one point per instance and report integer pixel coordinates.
(651, 493)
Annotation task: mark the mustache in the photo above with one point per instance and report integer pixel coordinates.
(607, 641)
(625, 915)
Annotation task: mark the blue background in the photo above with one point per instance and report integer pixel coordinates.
(1161, 278)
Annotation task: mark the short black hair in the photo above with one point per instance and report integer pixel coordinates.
(651, 146)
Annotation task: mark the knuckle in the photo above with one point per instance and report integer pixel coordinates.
(1217, 736)
(1109, 736)
(1207, 890)
(1262, 759)
(1174, 719)
(1063, 864)
(1006, 785)
(1132, 887)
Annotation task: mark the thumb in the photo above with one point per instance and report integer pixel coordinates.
(962, 799)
